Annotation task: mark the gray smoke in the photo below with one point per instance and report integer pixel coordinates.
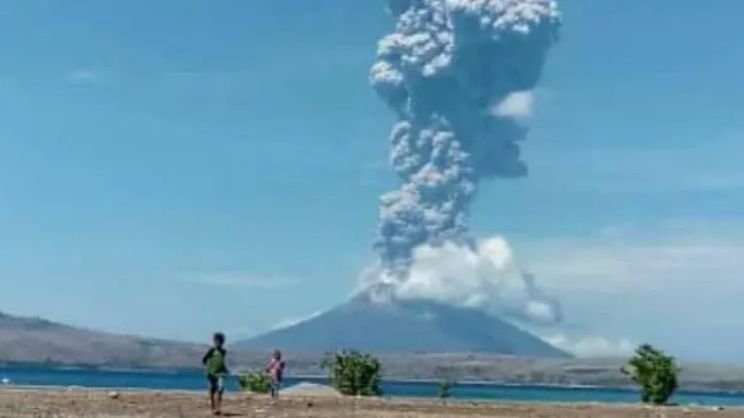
(459, 75)
(447, 71)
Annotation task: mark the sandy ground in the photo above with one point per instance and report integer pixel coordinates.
(82, 403)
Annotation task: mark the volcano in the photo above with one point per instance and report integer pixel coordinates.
(418, 326)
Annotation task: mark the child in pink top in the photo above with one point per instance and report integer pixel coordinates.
(275, 370)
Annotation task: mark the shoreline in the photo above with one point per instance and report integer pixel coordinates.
(323, 379)
(390, 398)
(28, 403)
(464, 368)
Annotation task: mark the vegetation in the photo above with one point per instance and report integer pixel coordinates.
(255, 382)
(445, 389)
(353, 373)
(655, 372)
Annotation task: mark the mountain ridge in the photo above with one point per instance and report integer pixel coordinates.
(38, 340)
(416, 326)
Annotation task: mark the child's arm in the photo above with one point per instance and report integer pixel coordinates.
(270, 366)
(207, 356)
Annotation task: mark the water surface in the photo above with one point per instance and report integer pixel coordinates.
(191, 380)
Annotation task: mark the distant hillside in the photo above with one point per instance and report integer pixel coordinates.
(405, 327)
(34, 340)
(521, 370)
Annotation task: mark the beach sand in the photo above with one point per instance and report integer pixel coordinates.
(80, 403)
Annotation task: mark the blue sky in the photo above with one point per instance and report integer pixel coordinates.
(175, 167)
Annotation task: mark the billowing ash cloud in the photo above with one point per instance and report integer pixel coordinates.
(459, 76)
(485, 277)
(444, 70)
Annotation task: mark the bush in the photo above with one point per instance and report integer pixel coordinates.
(254, 382)
(353, 373)
(655, 372)
(445, 389)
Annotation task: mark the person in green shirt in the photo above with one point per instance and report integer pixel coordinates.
(214, 362)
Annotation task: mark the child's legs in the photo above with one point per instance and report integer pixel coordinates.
(213, 391)
(275, 384)
(220, 390)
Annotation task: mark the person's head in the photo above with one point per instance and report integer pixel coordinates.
(219, 339)
(277, 355)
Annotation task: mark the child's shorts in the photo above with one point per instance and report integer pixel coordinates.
(216, 383)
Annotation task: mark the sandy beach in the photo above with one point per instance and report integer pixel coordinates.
(37, 403)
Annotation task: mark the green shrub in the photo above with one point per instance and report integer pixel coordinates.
(445, 389)
(655, 372)
(353, 373)
(254, 382)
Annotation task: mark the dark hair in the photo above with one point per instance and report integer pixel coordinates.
(219, 337)
(277, 354)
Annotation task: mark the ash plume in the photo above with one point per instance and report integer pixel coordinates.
(483, 276)
(459, 76)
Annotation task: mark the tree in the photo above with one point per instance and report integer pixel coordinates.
(445, 389)
(354, 373)
(655, 372)
(255, 382)
(446, 382)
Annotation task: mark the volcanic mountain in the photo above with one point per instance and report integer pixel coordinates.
(399, 327)
(404, 327)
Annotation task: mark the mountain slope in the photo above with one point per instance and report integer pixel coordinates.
(36, 340)
(417, 326)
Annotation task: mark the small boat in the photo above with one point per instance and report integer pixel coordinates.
(5, 381)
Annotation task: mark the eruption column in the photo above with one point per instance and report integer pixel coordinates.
(451, 70)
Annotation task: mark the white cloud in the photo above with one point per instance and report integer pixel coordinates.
(290, 322)
(239, 279)
(483, 276)
(591, 346)
(516, 105)
(540, 311)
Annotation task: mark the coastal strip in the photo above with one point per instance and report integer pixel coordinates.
(135, 404)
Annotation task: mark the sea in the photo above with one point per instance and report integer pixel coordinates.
(30, 376)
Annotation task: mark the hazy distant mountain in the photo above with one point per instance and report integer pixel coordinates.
(37, 340)
(404, 327)
(383, 327)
